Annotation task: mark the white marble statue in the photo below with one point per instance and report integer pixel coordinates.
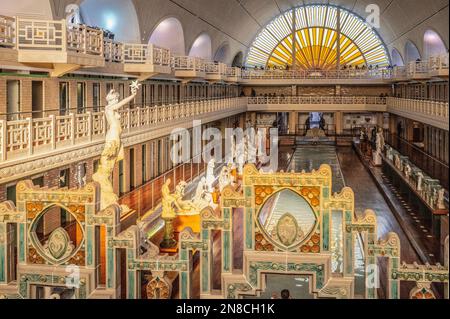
(202, 197)
(407, 171)
(210, 178)
(184, 207)
(73, 16)
(440, 200)
(113, 150)
(225, 177)
(240, 156)
(419, 181)
(380, 140)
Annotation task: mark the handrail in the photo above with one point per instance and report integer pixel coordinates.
(46, 35)
(22, 138)
(437, 110)
(318, 100)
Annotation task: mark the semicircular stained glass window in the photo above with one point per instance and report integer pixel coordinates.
(316, 40)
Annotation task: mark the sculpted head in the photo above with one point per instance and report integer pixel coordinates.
(112, 97)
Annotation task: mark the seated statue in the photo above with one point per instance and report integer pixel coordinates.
(184, 207)
(203, 198)
(168, 212)
(225, 178)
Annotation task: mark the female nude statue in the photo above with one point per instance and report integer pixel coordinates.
(113, 150)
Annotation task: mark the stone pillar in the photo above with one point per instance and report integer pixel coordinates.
(338, 119)
(293, 120)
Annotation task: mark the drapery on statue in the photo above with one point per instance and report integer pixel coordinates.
(113, 151)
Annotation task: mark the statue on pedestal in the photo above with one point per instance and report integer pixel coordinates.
(210, 178)
(203, 198)
(440, 200)
(225, 178)
(184, 207)
(379, 144)
(113, 151)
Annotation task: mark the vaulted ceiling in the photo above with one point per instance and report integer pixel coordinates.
(237, 22)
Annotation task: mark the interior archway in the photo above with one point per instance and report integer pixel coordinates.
(238, 60)
(411, 52)
(222, 53)
(117, 16)
(397, 59)
(169, 34)
(202, 47)
(433, 44)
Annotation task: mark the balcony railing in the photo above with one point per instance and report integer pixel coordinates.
(318, 100)
(145, 54)
(303, 74)
(23, 138)
(7, 31)
(215, 68)
(55, 35)
(188, 63)
(420, 107)
(112, 51)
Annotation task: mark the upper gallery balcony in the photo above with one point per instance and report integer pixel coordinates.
(422, 70)
(52, 44)
(37, 140)
(215, 71)
(189, 68)
(233, 74)
(146, 60)
(317, 103)
(347, 76)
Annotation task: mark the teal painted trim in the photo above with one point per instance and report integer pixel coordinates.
(110, 270)
(326, 193)
(326, 230)
(249, 228)
(89, 246)
(226, 252)
(184, 286)
(205, 272)
(226, 213)
(349, 254)
(22, 243)
(131, 280)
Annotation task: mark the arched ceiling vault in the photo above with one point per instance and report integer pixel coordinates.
(239, 21)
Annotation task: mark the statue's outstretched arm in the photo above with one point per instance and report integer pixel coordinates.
(125, 101)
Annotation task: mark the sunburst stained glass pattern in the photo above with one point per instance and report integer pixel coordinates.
(316, 40)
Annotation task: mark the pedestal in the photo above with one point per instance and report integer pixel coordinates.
(168, 240)
(376, 158)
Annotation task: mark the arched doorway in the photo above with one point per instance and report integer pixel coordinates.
(169, 34)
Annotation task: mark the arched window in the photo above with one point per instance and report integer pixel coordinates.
(238, 59)
(222, 53)
(397, 59)
(169, 34)
(411, 52)
(323, 34)
(117, 16)
(202, 47)
(433, 44)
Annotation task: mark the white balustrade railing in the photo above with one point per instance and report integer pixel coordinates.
(83, 39)
(304, 74)
(438, 63)
(318, 100)
(55, 35)
(7, 31)
(41, 35)
(420, 107)
(233, 72)
(22, 138)
(188, 63)
(112, 51)
(215, 68)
